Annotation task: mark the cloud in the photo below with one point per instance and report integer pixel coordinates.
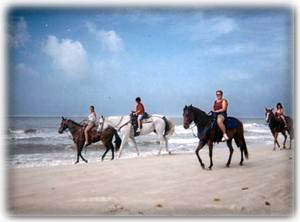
(109, 39)
(67, 55)
(233, 49)
(209, 29)
(223, 25)
(18, 33)
(24, 70)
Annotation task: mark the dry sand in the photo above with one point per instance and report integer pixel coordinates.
(166, 185)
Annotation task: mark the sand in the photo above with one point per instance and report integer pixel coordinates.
(166, 185)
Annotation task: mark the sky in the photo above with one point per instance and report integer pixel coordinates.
(62, 60)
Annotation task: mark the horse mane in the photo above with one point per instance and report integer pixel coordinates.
(72, 121)
(201, 118)
(199, 110)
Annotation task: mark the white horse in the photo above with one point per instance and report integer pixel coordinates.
(155, 123)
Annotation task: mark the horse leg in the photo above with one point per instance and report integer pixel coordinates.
(124, 140)
(242, 157)
(81, 155)
(135, 145)
(285, 138)
(161, 141)
(77, 160)
(200, 146)
(275, 140)
(167, 145)
(210, 146)
(78, 153)
(229, 144)
(107, 149)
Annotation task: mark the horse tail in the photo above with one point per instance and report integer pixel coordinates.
(292, 133)
(244, 148)
(118, 140)
(290, 126)
(240, 141)
(169, 126)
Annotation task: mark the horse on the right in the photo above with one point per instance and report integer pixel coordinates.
(277, 126)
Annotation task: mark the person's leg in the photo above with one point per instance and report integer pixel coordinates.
(86, 131)
(139, 122)
(283, 119)
(220, 121)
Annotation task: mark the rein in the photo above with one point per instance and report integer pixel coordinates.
(124, 125)
(69, 134)
(199, 123)
(193, 130)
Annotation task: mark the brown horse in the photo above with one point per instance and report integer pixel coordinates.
(208, 133)
(276, 126)
(77, 131)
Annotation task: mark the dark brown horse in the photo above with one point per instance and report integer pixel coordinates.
(77, 131)
(208, 133)
(277, 126)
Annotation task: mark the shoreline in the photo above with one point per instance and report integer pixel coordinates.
(166, 185)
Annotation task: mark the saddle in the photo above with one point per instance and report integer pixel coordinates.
(229, 122)
(134, 121)
(84, 124)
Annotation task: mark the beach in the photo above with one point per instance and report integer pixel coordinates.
(165, 185)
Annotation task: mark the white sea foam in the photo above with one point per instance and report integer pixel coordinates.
(43, 153)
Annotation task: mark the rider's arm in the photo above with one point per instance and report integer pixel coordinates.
(139, 110)
(280, 112)
(94, 116)
(213, 108)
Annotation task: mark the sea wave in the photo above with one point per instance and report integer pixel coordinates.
(32, 145)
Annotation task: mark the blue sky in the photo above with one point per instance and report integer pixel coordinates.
(62, 60)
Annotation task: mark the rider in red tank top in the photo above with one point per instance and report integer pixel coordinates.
(218, 105)
(220, 108)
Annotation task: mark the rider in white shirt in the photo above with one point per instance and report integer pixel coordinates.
(91, 123)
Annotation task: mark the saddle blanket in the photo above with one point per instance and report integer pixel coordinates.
(231, 122)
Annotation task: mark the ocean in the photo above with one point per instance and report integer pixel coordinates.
(35, 141)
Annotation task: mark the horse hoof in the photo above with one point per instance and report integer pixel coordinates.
(76, 162)
(241, 164)
(203, 166)
(170, 153)
(227, 165)
(209, 168)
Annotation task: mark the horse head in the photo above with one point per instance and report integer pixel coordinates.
(63, 125)
(268, 114)
(188, 116)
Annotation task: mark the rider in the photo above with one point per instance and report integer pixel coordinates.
(279, 112)
(139, 111)
(91, 123)
(220, 109)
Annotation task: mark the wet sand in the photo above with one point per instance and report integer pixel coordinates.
(166, 185)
